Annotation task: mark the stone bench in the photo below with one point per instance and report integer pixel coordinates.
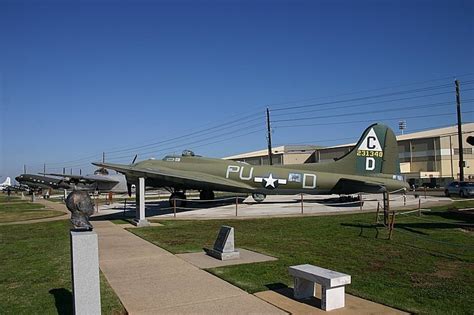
(332, 285)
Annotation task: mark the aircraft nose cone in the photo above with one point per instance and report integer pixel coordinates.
(17, 178)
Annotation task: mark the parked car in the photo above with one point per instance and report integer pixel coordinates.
(463, 189)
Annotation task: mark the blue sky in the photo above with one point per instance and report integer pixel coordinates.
(78, 78)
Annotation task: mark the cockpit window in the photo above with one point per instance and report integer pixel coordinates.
(187, 153)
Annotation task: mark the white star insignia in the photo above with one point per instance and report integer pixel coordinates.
(270, 181)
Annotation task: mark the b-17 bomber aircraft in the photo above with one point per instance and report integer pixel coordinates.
(371, 166)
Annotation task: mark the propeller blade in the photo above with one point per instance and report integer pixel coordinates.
(135, 158)
(129, 189)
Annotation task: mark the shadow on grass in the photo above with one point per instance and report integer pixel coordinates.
(453, 214)
(62, 301)
(363, 227)
(288, 292)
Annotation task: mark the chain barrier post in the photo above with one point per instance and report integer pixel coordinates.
(302, 207)
(377, 214)
(419, 207)
(360, 201)
(236, 205)
(174, 207)
(425, 192)
(392, 225)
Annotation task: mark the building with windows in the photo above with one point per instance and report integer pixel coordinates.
(430, 154)
(285, 154)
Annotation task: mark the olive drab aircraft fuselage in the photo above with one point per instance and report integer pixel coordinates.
(371, 166)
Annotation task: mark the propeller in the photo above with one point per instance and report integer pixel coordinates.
(129, 186)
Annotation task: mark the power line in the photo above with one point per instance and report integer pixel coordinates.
(436, 87)
(367, 121)
(246, 119)
(373, 90)
(355, 138)
(371, 112)
(251, 117)
(361, 105)
(187, 144)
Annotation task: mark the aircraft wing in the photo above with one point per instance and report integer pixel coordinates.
(351, 186)
(188, 178)
(84, 179)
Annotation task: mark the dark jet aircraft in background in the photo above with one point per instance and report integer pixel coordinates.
(101, 181)
(36, 183)
(372, 166)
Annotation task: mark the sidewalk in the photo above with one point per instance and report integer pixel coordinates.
(150, 280)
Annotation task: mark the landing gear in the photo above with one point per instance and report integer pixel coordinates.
(178, 199)
(258, 197)
(206, 195)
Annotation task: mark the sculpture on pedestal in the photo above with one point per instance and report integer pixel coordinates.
(81, 207)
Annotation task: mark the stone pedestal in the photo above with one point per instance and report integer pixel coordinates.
(332, 298)
(224, 245)
(140, 218)
(303, 288)
(33, 197)
(85, 272)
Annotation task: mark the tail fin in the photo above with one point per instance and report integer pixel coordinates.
(376, 152)
(7, 182)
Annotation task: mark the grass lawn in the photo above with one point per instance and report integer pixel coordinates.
(18, 210)
(428, 266)
(35, 276)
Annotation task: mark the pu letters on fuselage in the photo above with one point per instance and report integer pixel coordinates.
(246, 174)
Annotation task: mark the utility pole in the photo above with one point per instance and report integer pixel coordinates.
(103, 157)
(269, 138)
(24, 168)
(64, 170)
(461, 150)
(44, 169)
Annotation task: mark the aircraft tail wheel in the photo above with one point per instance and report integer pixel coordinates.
(175, 199)
(258, 197)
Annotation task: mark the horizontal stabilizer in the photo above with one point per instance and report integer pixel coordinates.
(350, 186)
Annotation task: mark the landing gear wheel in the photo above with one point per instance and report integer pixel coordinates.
(178, 199)
(461, 194)
(258, 197)
(446, 192)
(206, 195)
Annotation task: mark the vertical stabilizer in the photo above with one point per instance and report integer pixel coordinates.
(7, 182)
(376, 152)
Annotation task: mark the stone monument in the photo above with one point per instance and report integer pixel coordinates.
(84, 255)
(223, 248)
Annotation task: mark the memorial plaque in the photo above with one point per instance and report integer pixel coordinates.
(224, 245)
(222, 237)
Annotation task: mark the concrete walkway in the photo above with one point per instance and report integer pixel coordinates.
(150, 280)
